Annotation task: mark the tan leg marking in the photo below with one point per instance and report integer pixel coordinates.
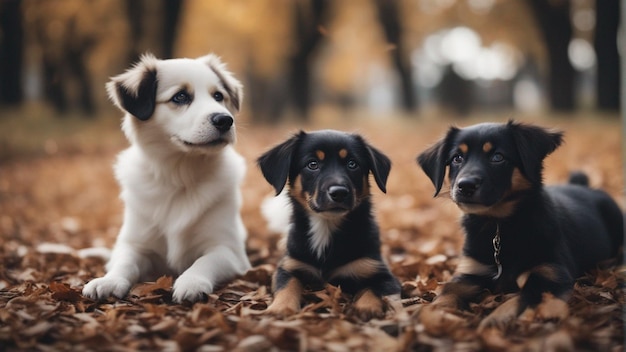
(546, 270)
(522, 278)
(502, 315)
(358, 269)
(368, 305)
(437, 317)
(291, 265)
(469, 265)
(287, 300)
(552, 308)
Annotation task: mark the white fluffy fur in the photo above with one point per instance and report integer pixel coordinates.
(321, 232)
(182, 201)
(277, 212)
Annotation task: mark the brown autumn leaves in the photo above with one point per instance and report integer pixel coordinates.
(69, 199)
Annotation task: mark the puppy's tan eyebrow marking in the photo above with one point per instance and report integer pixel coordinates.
(463, 147)
(487, 147)
(343, 153)
(320, 154)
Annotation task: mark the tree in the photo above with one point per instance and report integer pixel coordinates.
(158, 31)
(11, 44)
(605, 43)
(65, 63)
(388, 15)
(309, 18)
(555, 24)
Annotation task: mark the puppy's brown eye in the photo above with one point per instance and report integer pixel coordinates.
(497, 158)
(218, 96)
(352, 164)
(457, 159)
(181, 98)
(313, 165)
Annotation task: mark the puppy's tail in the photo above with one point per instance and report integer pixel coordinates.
(578, 178)
(277, 213)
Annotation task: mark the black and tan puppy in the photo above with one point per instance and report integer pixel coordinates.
(332, 237)
(520, 235)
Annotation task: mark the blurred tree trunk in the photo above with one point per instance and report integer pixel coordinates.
(11, 45)
(154, 31)
(605, 43)
(555, 24)
(388, 15)
(64, 63)
(77, 51)
(456, 93)
(171, 17)
(310, 16)
(53, 90)
(266, 96)
(134, 10)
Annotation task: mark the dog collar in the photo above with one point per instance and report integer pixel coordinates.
(496, 252)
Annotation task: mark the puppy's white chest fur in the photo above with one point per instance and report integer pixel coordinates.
(320, 234)
(178, 197)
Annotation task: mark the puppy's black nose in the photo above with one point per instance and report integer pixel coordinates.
(222, 122)
(468, 185)
(338, 193)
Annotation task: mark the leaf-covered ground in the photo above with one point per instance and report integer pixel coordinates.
(66, 199)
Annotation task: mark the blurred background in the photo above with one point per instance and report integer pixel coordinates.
(397, 71)
(302, 59)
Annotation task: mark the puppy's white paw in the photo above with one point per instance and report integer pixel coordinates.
(191, 288)
(102, 288)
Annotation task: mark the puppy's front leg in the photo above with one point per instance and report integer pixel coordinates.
(287, 292)
(545, 287)
(469, 280)
(438, 317)
(370, 280)
(126, 266)
(368, 305)
(219, 264)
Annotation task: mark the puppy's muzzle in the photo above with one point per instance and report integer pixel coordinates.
(222, 122)
(467, 186)
(338, 193)
(335, 197)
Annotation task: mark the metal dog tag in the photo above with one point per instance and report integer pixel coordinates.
(496, 253)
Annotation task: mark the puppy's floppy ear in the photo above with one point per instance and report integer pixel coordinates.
(276, 163)
(233, 87)
(533, 145)
(435, 159)
(134, 91)
(380, 165)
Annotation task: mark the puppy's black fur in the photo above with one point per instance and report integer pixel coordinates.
(548, 236)
(333, 235)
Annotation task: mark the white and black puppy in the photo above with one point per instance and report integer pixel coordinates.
(180, 178)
